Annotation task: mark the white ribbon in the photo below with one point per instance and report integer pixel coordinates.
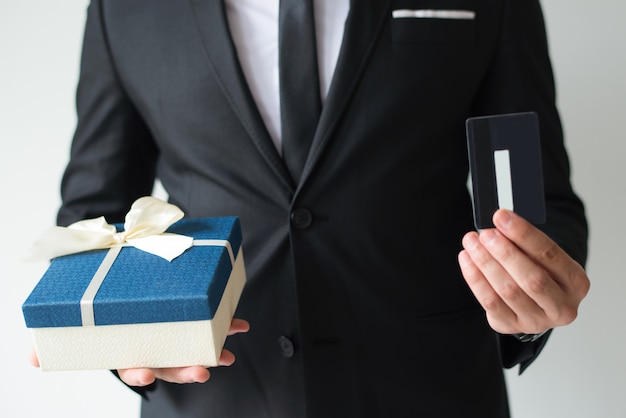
(144, 229)
(87, 314)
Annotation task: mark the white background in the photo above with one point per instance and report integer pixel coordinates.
(580, 374)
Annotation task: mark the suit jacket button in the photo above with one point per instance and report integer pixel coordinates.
(301, 218)
(286, 346)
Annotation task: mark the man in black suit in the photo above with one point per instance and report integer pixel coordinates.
(356, 294)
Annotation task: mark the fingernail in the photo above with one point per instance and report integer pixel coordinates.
(464, 259)
(470, 241)
(503, 218)
(487, 235)
(202, 378)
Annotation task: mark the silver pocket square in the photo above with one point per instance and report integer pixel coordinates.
(434, 14)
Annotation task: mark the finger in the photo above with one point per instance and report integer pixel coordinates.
(227, 358)
(499, 315)
(560, 266)
(192, 374)
(528, 287)
(137, 377)
(33, 359)
(238, 325)
(180, 375)
(563, 270)
(497, 276)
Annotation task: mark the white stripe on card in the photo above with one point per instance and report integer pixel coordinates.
(434, 14)
(504, 186)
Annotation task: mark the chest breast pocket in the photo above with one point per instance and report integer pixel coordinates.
(433, 27)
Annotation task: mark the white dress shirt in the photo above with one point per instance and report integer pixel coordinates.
(254, 29)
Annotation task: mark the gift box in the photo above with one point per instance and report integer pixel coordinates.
(122, 307)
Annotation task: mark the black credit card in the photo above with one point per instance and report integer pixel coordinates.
(505, 166)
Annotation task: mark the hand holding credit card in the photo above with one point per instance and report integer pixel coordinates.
(505, 166)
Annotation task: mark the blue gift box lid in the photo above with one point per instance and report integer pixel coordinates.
(140, 287)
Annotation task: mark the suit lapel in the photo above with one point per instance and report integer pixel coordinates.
(362, 30)
(212, 23)
(363, 26)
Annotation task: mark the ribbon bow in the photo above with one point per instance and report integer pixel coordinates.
(144, 228)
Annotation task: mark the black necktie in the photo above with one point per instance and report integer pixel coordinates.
(300, 102)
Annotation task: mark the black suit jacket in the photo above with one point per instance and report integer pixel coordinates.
(355, 298)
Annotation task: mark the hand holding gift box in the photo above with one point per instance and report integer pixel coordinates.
(118, 307)
(180, 375)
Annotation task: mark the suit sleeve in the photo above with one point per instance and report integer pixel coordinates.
(113, 157)
(521, 79)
